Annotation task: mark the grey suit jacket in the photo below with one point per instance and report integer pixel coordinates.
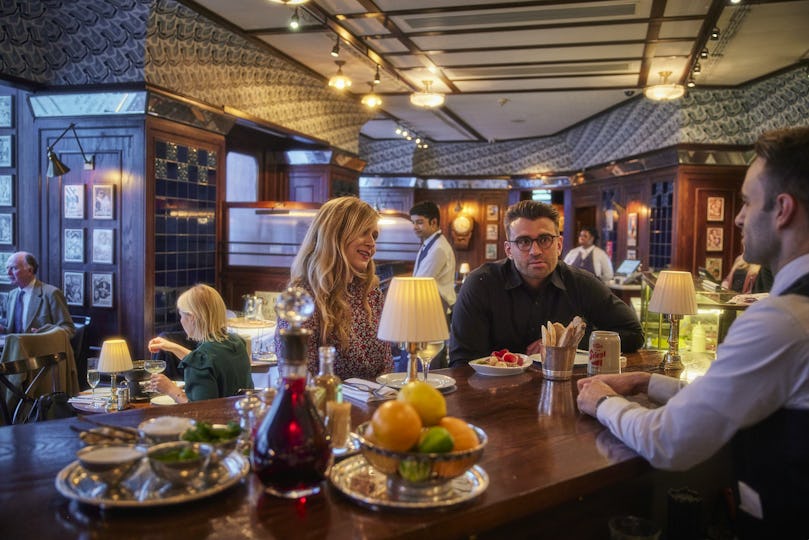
(46, 308)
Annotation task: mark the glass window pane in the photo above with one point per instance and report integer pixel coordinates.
(242, 178)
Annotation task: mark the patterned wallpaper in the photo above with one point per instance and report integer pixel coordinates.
(733, 116)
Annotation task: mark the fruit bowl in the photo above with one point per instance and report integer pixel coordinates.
(418, 469)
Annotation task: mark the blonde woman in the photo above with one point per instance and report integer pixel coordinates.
(335, 264)
(219, 366)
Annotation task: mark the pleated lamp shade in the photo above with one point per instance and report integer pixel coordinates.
(413, 312)
(114, 357)
(674, 294)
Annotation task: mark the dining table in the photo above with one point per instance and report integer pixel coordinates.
(553, 472)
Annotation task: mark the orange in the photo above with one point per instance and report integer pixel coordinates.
(463, 436)
(429, 402)
(396, 426)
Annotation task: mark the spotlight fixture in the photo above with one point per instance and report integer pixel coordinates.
(715, 33)
(289, 2)
(697, 68)
(335, 51)
(371, 100)
(664, 91)
(295, 20)
(338, 80)
(377, 78)
(691, 82)
(427, 99)
(704, 53)
(56, 167)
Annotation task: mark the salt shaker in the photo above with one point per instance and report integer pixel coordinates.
(123, 396)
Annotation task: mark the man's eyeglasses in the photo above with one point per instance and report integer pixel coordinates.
(524, 243)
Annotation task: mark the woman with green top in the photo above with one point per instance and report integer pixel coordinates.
(219, 366)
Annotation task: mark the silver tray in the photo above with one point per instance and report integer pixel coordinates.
(358, 480)
(143, 488)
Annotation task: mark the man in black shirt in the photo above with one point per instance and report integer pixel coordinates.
(503, 304)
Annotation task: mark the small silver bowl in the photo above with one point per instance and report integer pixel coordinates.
(110, 463)
(164, 428)
(167, 461)
(222, 448)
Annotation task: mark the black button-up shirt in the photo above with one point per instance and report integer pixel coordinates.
(497, 310)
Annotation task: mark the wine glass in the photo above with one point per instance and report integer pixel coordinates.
(425, 352)
(154, 365)
(93, 376)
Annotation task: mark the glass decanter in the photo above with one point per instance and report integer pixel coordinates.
(291, 449)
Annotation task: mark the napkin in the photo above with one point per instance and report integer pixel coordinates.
(355, 389)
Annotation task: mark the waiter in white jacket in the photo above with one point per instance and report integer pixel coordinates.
(435, 258)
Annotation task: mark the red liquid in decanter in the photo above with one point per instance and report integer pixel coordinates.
(291, 450)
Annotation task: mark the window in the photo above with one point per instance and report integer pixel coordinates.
(242, 178)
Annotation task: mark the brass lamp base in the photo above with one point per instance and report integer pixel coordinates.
(671, 360)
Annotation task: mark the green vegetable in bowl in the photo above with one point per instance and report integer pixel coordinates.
(177, 454)
(205, 432)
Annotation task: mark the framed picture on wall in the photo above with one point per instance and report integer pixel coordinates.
(631, 254)
(6, 153)
(632, 230)
(103, 246)
(74, 201)
(714, 266)
(6, 229)
(491, 251)
(74, 288)
(715, 239)
(102, 202)
(74, 245)
(6, 190)
(102, 290)
(3, 302)
(491, 231)
(4, 255)
(492, 212)
(716, 209)
(6, 111)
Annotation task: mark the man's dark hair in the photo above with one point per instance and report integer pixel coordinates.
(593, 232)
(31, 261)
(787, 171)
(530, 210)
(427, 209)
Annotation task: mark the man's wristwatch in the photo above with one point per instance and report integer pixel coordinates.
(602, 399)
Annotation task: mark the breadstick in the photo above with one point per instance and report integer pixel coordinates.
(551, 334)
(558, 331)
(544, 335)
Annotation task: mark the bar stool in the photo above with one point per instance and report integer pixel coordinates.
(41, 365)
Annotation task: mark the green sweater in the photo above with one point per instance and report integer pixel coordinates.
(217, 369)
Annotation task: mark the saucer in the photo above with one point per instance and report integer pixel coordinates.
(397, 380)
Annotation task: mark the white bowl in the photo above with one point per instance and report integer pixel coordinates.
(164, 428)
(483, 368)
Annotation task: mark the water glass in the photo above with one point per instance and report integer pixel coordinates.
(93, 376)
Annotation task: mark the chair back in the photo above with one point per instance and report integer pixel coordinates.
(54, 341)
(77, 342)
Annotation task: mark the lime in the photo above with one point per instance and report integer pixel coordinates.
(427, 401)
(435, 440)
(414, 471)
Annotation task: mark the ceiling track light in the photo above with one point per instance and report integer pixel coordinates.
(295, 20)
(697, 68)
(704, 53)
(339, 81)
(335, 51)
(377, 78)
(289, 2)
(691, 82)
(715, 33)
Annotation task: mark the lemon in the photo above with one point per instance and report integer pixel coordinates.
(435, 440)
(427, 401)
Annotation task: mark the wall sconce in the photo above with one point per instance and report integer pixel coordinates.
(55, 165)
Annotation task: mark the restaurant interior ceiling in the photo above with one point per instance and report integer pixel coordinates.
(523, 69)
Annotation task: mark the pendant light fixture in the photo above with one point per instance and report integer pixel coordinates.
(339, 81)
(664, 91)
(295, 20)
(377, 78)
(371, 100)
(427, 99)
(289, 2)
(335, 51)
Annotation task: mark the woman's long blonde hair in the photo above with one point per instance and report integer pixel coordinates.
(209, 321)
(322, 264)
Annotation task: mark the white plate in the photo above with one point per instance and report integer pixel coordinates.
(582, 358)
(396, 380)
(483, 368)
(162, 401)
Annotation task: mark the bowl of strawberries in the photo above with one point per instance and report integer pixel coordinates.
(501, 363)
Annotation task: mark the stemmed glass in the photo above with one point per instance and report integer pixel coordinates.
(425, 352)
(93, 376)
(154, 365)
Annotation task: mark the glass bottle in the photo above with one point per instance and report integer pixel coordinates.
(291, 450)
(330, 385)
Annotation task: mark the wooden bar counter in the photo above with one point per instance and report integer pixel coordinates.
(550, 468)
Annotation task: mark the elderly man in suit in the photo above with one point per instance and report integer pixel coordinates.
(33, 306)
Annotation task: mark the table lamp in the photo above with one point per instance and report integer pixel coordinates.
(114, 358)
(464, 271)
(673, 295)
(413, 315)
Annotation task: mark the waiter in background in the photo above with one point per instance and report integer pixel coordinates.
(588, 256)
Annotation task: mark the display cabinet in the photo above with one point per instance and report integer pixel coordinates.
(714, 316)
